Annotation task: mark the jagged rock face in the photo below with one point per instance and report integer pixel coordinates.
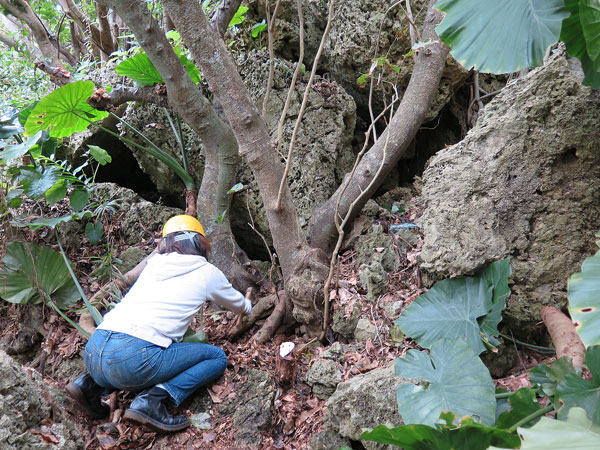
(364, 401)
(322, 150)
(141, 219)
(361, 31)
(26, 404)
(524, 184)
(153, 122)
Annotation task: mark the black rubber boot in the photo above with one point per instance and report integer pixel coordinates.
(150, 408)
(86, 393)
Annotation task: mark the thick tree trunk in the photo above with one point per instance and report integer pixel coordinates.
(46, 43)
(403, 127)
(303, 268)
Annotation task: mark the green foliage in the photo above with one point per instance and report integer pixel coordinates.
(30, 271)
(466, 308)
(444, 377)
(523, 403)
(575, 391)
(503, 37)
(500, 37)
(238, 17)
(578, 432)
(584, 300)
(470, 435)
(64, 111)
(140, 69)
(190, 336)
(546, 378)
(258, 28)
(93, 232)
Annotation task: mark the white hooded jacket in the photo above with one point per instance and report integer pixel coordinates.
(168, 293)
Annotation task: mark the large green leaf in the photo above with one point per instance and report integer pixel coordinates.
(449, 310)
(469, 436)
(590, 23)
(11, 152)
(29, 270)
(452, 378)
(64, 111)
(523, 403)
(497, 275)
(572, 35)
(546, 378)
(37, 180)
(51, 222)
(577, 433)
(140, 69)
(584, 300)
(500, 36)
(575, 391)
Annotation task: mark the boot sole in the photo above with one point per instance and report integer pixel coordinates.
(77, 395)
(142, 419)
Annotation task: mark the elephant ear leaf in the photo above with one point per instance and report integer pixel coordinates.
(500, 37)
(64, 111)
(584, 300)
(450, 370)
(31, 270)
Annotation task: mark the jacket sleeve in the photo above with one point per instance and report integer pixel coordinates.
(220, 291)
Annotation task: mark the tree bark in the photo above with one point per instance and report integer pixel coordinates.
(107, 41)
(299, 262)
(223, 15)
(403, 127)
(104, 46)
(46, 43)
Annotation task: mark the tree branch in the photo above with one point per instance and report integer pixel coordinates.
(223, 15)
(403, 127)
(8, 41)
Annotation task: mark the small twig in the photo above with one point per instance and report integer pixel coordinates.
(270, 24)
(292, 88)
(476, 88)
(340, 227)
(313, 72)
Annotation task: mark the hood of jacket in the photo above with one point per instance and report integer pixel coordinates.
(170, 265)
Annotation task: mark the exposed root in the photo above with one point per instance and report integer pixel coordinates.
(562, 331)
(273, 321)
(259, 311)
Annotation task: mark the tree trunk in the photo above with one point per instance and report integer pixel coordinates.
(107, 42)
(403, 127)
(303, 268)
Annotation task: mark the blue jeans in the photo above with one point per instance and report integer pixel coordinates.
(123, 362)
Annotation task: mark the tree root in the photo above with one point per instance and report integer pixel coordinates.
(273, 321)
(259, 311)
(562, 331)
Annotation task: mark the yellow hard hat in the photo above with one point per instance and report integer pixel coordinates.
(183, 222)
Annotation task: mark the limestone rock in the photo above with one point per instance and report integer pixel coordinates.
(524, 184)
(376, 245)
(142, 219)
(329, 440)
(343, 324)
(26, 403)
(334, 353)
(323, 376)
(130, 258)
(374, 279)
(322, 149)
(392, 310)
(152, 122)
(251, 408)
(365, 330)
(364, 401)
